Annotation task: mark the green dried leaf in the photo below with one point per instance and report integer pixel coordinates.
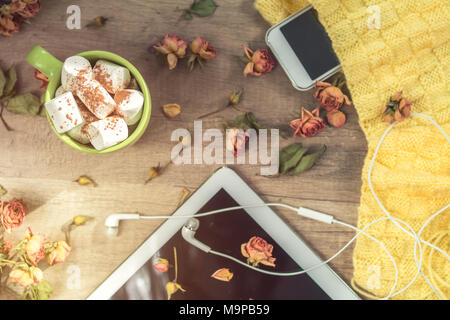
(290, 156)
(245, 121)
(43, 112)
(26, 103)
(2, 82)
(202, 8)
(42, 291)
(2, 191)
(187, 15)
(11, 82)
(309, 160)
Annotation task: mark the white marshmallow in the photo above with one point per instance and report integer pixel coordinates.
(96, 98)
(64, 112)
(75, 70)
(107, 132)
(80, 133)
(129, 105)
(111, 76)
(59, 91)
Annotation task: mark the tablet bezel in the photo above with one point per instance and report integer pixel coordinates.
(227, 179)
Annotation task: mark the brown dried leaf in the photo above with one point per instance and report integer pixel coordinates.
(85, 181)
(223, 274)
(184, 194)
(171, 110)
(155, 172)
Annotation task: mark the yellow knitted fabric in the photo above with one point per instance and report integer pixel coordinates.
(411, 175)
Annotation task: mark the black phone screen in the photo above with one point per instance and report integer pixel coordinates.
(311, 44)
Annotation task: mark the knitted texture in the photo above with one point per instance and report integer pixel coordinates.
(411, 175)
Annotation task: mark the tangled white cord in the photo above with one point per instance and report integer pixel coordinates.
(409, 230)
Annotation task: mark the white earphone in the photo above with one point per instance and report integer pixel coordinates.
(192, 224)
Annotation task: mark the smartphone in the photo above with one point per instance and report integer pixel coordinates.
(303, 49)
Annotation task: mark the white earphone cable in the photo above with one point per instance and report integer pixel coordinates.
(319, 216)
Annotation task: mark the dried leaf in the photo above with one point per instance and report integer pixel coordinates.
(11, 82)
(2, 82)
(85, 181)
(26, 103)
(290, 156)
(245, 121)
(80, 220)
(171, 288)
(155, 172)
(309, 160)
(202, 8)
(184, 194)
(223, 274)
(2, 191)
(171, 110)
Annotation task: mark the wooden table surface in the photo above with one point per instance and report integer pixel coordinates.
(37, 166)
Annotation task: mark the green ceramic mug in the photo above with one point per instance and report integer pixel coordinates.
(42, 60)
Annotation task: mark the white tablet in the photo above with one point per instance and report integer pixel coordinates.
(139, 277)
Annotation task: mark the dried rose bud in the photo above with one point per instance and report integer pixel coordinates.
(397, 109)
(162, 265)
(155, 172)
(98, 22)
(172, 46)
(235, 97)
(309, 124)
(173, 287)
(41, 77)
(336, 118)
(235, 140)
(223, 274)
(171, 110)
(202, 48)
(259, 62)
(330, 97)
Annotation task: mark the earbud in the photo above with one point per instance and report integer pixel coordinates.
(113, 220)
(188, 233)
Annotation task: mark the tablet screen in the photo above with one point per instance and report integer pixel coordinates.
(311, 44)
(225, 233)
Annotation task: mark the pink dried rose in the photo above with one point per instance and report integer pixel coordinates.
(41, 77)
(26, 276)
(236, 140)
(329, 96)
(14, 12)
(58, 252)
(203, 48)
(162, 265)
(309, 124)
(8, 24)
(397, 109)
(35, 246)
(5, 246)
(223, 274)
(259, 62)
(257, 251)
(336, 118)
(25, 8)
(172, 46)
(12, 213)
